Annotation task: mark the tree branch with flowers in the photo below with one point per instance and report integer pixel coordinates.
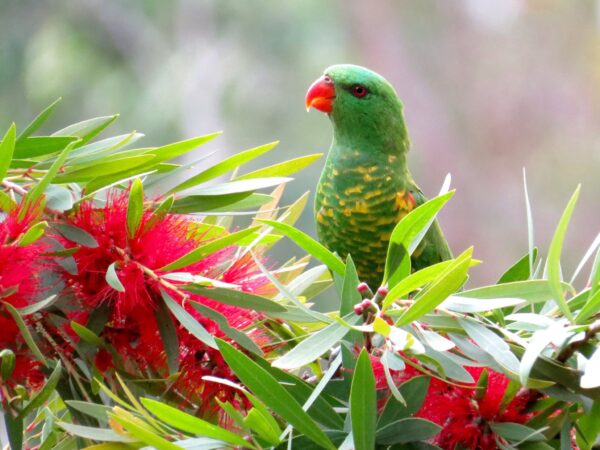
(140, 308)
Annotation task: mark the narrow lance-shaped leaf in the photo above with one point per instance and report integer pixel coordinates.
(315, 345)
(224, 166)
(135, 208)
(236, 298)
(208, 249)
(266, 387)
(407, 235)
(188, 321)
(43, 394)
(75, 234)
(554, 252)
(87, 129)
(190, 424)
(283, 169)
(39, 120)
(7, 147)
(113, 279)
(33, 234)
(363, 403)
(36, 192)
(310, 245)
(447, 283)
(25, 332)
(168, 335)
(239, 337)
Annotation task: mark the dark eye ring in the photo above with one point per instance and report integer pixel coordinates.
(359, 91)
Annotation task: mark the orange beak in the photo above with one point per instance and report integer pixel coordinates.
(321, 94)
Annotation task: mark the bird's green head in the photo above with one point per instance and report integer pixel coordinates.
(362, 106)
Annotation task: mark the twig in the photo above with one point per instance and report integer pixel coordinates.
(570, 349)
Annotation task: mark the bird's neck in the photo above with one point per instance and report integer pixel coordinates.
(352, 148)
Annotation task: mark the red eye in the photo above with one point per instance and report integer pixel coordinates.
(359, 91)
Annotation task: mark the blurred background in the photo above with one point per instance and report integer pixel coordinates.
(489, 87)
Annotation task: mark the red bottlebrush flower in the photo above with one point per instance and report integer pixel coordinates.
(20, 283)
(463, 417)
(131, 328)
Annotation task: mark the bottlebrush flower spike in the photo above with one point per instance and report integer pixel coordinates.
(20, 283)
(132, 329)
(462, 415)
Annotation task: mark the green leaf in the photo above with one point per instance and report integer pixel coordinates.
(32, 147)
(519, 271)
(38, 189)
(94, 410)
(413, 282)
(190, 424)
(533, 291)
(451, 279)
(350, 295)
(96, 434)
(236, 298)
(407, 235)
(472, 305)
(58, 198)
(264, 425)
(266, 387)
(516, 432)
(35, 307)
(553, 262)
(590, 308)
(75, 234)
(188, 322)
(236, 187)
(14, 429)
(33, 234)
(315, 345)
(309, 245)
(113, 279)
(176, 149)
(39, 120)
(363, 403)
(207, 249)
(492, 344)
(406, 430)
(43, 394)
(311, 397)
(87, 129)
(135, 208)
(224, 166)
(112, 167)
(283, 169)
(86, 334)
(25, 332)
(538, 342)
(7, 147)
(413, 391)
(221, 203)
(168, 335)
(239, 337)
(7, 204)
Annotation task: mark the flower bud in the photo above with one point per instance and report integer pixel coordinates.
(362, 287)
(358, 309)
(382, 291)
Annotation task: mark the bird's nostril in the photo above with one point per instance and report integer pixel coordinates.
(327, 79)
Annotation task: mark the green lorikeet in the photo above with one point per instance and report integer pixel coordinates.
(366, 187)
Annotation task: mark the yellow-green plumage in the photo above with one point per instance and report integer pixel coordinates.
(365, 187)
